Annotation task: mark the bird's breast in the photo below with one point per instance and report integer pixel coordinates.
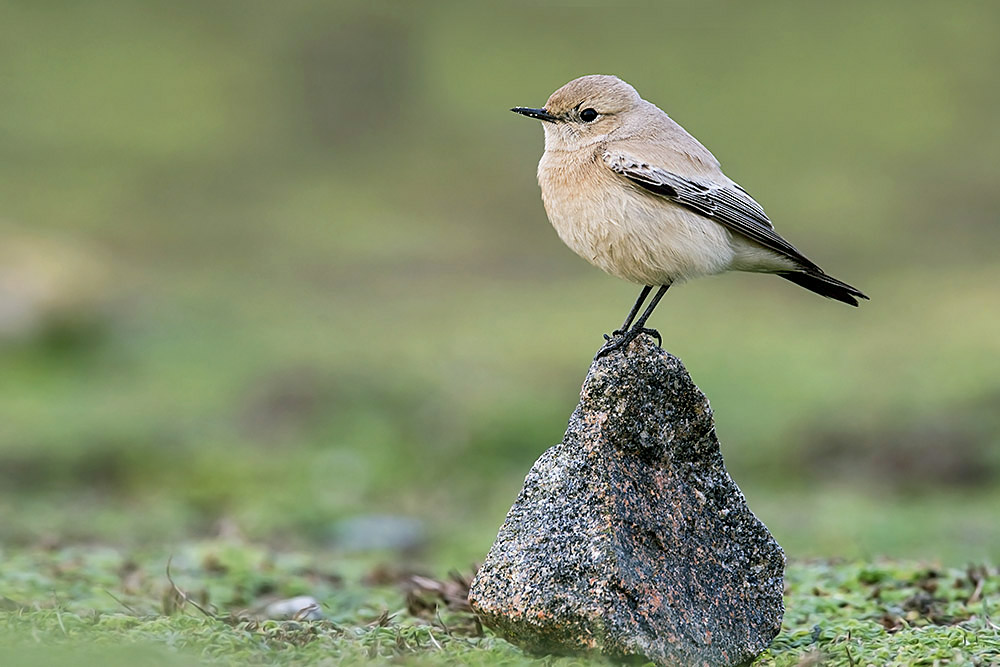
(623, 230)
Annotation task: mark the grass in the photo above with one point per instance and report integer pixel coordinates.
(203, 604)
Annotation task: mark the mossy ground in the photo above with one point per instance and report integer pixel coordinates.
(104, 606)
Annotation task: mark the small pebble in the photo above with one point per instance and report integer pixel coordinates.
(300, 608)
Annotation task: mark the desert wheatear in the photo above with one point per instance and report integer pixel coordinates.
(633, 193)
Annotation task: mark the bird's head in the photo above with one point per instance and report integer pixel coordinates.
(585, 111)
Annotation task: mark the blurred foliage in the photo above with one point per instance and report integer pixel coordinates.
(327, 287)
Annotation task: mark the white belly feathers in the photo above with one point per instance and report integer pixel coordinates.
(625, 231)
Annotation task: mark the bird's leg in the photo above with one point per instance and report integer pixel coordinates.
(631, 314)
(637, 328)
(640, 324)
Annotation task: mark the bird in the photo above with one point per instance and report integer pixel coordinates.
(630, 191)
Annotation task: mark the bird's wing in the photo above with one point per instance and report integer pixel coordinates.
(727, 204)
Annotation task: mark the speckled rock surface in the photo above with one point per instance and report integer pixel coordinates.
(629, 538)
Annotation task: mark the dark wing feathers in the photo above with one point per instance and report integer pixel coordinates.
(826, 285)
(729, 205)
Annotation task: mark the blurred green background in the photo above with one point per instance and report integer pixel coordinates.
(267, 267)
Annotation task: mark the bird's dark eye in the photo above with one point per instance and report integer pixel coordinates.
(588, 115)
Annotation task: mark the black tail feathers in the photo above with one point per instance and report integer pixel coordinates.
(828, 286)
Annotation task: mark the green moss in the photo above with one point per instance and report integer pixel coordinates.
(103, 604)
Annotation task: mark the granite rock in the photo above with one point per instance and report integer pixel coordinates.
(629, 538)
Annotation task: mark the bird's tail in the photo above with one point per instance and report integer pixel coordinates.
(828, 286)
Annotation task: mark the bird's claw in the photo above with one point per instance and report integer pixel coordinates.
(615, 334)
(608, 348)
(655, 334)
(622, 340)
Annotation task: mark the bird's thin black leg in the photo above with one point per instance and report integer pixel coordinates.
(637, 328)
(641, 322)
(632, 313)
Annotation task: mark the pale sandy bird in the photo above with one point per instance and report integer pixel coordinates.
(633, 193)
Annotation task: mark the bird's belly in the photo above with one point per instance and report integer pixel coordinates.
(640, 238)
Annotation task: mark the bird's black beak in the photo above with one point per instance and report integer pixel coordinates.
(540, 114)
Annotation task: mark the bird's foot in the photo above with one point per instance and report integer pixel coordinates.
(608, 347)
(655, 334)
(614, 334)
(621, 340)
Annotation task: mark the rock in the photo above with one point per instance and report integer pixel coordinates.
(629, 538)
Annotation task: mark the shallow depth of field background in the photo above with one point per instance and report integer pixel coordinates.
(270, 267)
